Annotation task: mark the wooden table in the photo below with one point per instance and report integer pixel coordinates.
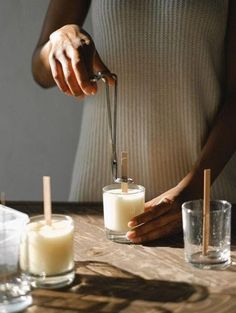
(112, 277)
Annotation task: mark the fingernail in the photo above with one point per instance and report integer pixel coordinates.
(132, 224)
(68, 93)
(81, 97)
(130, 234)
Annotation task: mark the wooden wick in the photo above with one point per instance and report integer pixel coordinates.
(3, 198)
(206, 209)
(47, 199)
(3, 275)
(124, 171)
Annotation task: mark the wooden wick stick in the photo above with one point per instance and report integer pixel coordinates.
(124, 171)
(206, 209)
(3, 198)
(3, 274)
(47, 199)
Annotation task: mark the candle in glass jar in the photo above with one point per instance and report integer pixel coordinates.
(48, 249)
(119, 207)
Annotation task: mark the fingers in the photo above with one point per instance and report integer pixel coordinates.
(70, 74)
(58, 76)
(156, 201)
(82, 67)
(162, 227)
(162, 217)
(150, 214)
(71, 60)
(72, 71)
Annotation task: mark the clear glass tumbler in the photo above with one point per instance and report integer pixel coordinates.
(14, 287)
(119, 207)
(218, 251)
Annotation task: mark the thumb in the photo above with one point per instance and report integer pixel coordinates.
(99, 66)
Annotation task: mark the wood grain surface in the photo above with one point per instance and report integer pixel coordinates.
(113, 277)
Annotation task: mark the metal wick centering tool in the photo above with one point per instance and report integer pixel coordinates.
(111, 121)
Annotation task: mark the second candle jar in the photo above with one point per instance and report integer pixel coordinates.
(119, 207)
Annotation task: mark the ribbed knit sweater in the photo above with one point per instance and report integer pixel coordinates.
(169, 59)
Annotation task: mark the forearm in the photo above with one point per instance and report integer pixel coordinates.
(217, 151)
(40, 66)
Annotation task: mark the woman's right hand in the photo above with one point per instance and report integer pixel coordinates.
(74, 60)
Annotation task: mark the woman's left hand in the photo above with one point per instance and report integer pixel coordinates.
(162, 218)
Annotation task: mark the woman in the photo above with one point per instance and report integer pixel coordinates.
(175, 62)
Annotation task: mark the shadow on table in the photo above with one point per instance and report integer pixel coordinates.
(174, 241)
(232, 267)
(104, 283)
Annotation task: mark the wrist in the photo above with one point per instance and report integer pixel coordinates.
(191, 186)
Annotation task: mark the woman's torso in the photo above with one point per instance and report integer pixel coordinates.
(169, 59)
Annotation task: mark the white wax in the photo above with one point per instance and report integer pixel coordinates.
(47, 249)
(120, 207)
